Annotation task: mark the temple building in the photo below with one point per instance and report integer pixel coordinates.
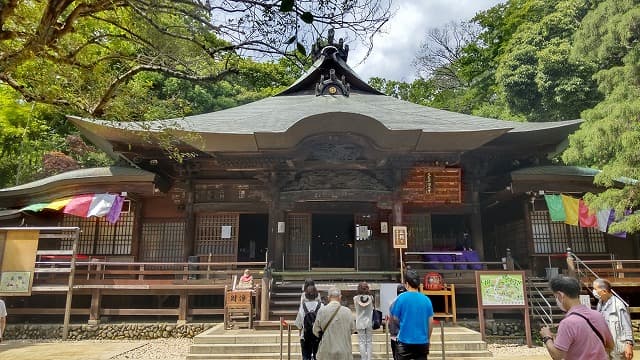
(317, 176)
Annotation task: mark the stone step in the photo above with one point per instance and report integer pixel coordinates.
(253, 337)
(452, 355)
(285, 293)
(250, 344)
(378, 347)
(295, 303)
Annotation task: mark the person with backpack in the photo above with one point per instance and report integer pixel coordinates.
(309, 307)
(363, 303)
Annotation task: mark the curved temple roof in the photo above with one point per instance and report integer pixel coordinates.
(300, 111)
(78, 181)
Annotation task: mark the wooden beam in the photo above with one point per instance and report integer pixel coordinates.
(183, 306)
(142, 312)
(96, 300)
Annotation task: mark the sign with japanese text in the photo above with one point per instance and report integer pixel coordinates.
(235, 298)
(433, 185)
(399, 237)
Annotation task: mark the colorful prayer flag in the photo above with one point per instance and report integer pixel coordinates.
(587, 219)
(79, 205)
(556, 210)
(114, 213)
(58, 204)
(101, 205)
(34, 207)
(571, 206)
(605, 217)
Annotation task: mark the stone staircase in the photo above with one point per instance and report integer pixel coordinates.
(216, 343)
(285, 300)
(538, 291)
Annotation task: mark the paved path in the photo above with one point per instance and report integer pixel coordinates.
(81, 350)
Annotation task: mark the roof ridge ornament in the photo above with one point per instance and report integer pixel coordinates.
(340, 49)
(333, 85)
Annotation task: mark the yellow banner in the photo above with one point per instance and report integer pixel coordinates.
(18, 262)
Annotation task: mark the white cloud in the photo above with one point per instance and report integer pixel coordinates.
(395, 48)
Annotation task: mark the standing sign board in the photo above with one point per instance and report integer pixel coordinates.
(18, 249)
(238, 304)
(502, 290)
(399, 237)
(400, 242)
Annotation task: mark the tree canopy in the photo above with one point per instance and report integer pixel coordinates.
(81, 53)
(538, 60)
(609, 138)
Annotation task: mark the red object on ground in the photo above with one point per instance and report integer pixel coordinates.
(433, 281)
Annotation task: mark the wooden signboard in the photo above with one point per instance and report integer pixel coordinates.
(497, 290)
(238, 304)
(399, 237)
(18, 262)
(433, 185)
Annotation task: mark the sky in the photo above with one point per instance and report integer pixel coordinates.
(395, 48)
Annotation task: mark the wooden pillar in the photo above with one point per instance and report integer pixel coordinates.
(183, 307)
(476, 223)
(94, 311)
(276, 215)
(137, 230)
(190, 221)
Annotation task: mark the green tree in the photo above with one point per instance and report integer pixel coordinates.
(30, 133)
(609, 138)
(82, 53)
(536, 75)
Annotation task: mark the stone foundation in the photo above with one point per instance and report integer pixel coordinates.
(132, 331)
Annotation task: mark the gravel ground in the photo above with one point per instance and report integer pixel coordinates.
(165, 349)
(177, 349)
(513, 351)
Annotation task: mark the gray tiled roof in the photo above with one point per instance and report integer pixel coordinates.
(277, 114)
(562, 170)
(90, 173)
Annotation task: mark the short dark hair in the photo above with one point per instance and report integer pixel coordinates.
(363, 288)
(311, 293)
(308, 282)
(570, 286)
(400, 289)
(411, 277)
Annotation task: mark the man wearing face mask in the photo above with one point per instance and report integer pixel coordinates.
(616, 315)
(583, 333)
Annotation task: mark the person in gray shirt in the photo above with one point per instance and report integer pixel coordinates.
(617, 316)
(336, 324)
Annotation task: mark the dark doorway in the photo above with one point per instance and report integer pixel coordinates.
(253, 237)
(448, 232)
(332, 240)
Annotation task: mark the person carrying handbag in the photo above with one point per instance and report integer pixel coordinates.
(334, 324)
(363, 303)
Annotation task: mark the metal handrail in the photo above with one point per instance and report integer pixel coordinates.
(540, 309)
(572, 257)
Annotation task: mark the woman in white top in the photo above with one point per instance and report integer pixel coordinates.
(363, 302)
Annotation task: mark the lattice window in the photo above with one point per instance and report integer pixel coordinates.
(555, 237)
(420, 232)
(162, 240)
(99, 237)
(299, 229)
(211, 236)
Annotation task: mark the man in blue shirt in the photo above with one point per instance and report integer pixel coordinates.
(415, 315)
